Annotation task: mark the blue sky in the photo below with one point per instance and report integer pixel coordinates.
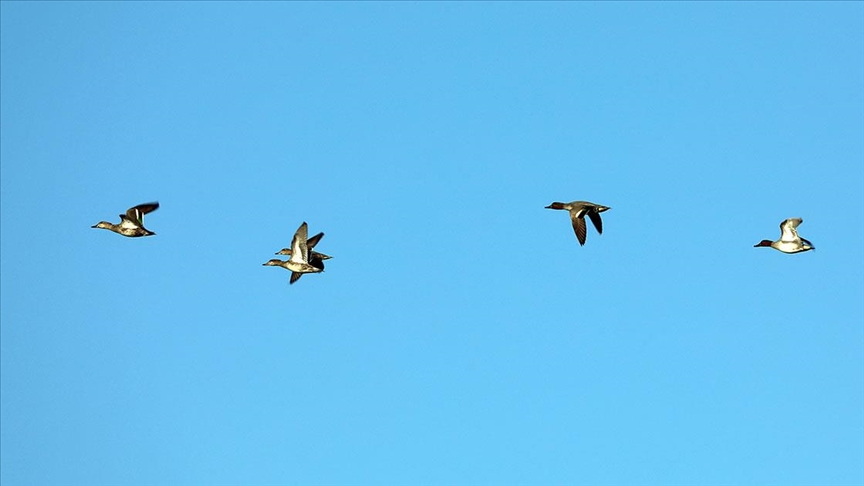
(460, 335)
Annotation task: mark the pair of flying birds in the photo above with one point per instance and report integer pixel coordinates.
(301, 258)
(789, 241)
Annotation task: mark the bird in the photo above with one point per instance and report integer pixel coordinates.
(299, 262)
(131, 223)
(313, 255)
(789, 241)
(578, 211)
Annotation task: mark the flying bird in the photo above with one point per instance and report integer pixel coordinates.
(789, 241)
(131, 223)
(578, 211)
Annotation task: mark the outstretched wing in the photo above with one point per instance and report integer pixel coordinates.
(595, 218)
(299, 250)
(578, 227)
(787, 229)
(311, 242)
(136, 214)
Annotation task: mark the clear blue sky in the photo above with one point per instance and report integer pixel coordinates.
(460, 335)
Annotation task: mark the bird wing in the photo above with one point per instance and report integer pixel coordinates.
(787, 229)
(299, 250)
(578, 226)
(595, 218)
(311, 242)
(136, 214)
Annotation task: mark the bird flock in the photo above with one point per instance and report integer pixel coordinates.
(303, 259)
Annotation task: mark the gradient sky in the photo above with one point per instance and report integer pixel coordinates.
(460, 335)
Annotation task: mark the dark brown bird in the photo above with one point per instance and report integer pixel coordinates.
(578, 211)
